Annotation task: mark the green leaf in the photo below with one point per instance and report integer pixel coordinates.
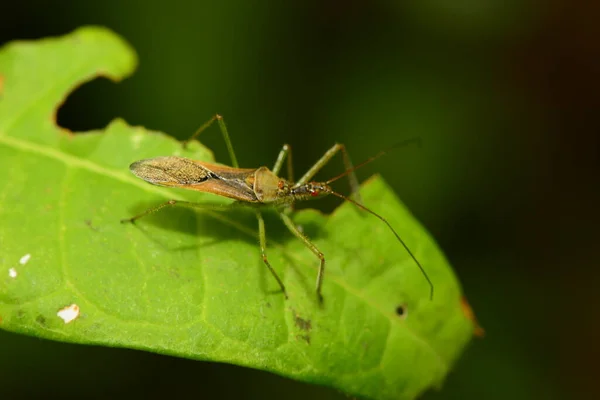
(193, 284)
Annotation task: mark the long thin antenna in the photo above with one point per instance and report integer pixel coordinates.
(395, 233)
(416, 140)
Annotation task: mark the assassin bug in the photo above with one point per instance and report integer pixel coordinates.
(257, 188)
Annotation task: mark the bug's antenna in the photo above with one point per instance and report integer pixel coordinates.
(416, 140)
(395, 233)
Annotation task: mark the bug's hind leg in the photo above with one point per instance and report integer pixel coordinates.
(223, 128)
(188, 204)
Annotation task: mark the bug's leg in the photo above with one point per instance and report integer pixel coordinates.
(286, 151)
(292, 227)
(188, 204)
(223, 128)
(263, 250)
(354, 186)
(202, 128)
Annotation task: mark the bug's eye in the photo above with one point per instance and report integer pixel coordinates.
(314, 192)
(280, 184)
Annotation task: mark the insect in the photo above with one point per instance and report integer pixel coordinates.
(257, 188)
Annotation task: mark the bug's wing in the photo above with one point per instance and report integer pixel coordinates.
(195, 175)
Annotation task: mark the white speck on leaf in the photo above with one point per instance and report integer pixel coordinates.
(69, 313)
(25, 259)
(136, 139)
(12, 273)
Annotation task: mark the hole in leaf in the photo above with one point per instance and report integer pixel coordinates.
(401, 311)
(90, 106)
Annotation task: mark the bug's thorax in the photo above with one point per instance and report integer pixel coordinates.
(269, 188)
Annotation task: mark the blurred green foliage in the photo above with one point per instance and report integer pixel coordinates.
(500, 93)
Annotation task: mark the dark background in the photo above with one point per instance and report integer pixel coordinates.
(503, 93)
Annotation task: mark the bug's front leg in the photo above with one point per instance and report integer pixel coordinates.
(336, 148)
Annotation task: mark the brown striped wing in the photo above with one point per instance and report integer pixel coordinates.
(234, 183)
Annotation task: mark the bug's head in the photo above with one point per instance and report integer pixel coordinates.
(311, 190)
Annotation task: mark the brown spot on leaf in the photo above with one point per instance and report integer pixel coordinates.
(40, 319)
(174, 273)
(468, 312)
(302, 323)
(306, 338)
(88, 222)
